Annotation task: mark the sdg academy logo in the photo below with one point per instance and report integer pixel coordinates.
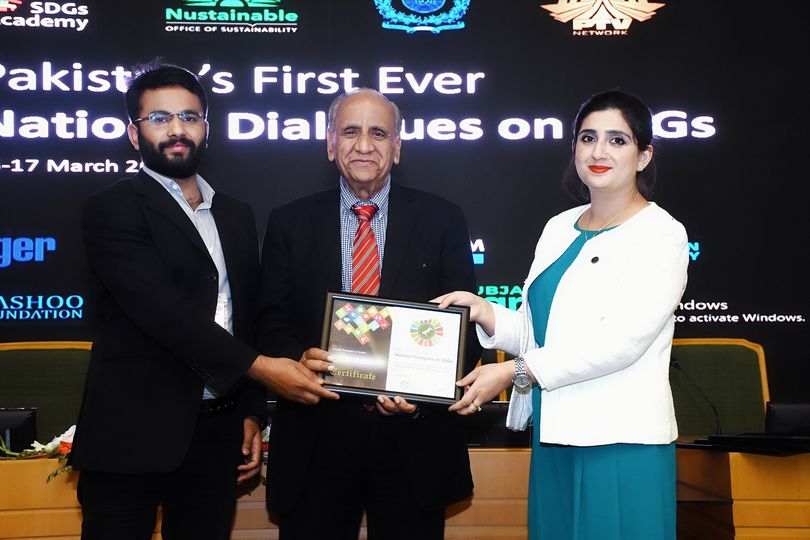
(602, 17)
(44, 15)
(9, 5)
(235, 16)
(423, 15)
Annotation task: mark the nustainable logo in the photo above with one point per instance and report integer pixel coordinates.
(235, 16)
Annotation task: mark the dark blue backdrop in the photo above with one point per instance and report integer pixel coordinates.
(741, 192)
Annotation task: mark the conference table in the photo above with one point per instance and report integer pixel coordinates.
(725, 495)
(31, 508)
(721, 495)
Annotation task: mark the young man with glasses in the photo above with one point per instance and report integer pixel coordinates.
(172, 409)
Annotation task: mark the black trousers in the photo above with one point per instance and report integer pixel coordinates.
(358, 467)
(198, 499)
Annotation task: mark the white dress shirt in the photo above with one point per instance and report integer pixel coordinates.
(203, 221)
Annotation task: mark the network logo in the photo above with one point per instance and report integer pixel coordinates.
(423, 15)
(9, 5)
(478, 250)
(602, 17)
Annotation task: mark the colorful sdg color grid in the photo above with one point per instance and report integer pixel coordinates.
(359, 320)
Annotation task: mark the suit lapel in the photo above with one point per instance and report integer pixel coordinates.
(401, 219)
(229, 237)
(236, 243)
(557, 244)
(159, 200)
(326, 224)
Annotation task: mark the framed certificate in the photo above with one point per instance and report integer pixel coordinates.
(392, 347)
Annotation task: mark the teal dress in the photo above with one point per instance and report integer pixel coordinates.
(608, 492)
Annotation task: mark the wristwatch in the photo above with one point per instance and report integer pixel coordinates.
(521, 379)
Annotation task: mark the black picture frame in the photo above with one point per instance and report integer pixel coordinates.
(375, 353)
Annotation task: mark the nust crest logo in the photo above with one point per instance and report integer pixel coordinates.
(423, 15)
(602, 17)
(235, 16)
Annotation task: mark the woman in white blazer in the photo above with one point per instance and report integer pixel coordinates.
(593, 342)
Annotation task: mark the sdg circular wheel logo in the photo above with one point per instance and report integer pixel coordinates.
(427, 333)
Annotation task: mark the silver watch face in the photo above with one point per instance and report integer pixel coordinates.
(522, 380)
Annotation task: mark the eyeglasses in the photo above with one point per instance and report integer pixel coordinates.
(162, 118)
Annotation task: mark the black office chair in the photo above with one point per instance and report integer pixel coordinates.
(47, 375)
(719, 385)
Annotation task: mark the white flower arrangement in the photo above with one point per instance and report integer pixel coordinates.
(58, 448)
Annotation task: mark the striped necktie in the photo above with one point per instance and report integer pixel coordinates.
(365, 255)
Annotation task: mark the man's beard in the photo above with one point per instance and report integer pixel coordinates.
(171, 166)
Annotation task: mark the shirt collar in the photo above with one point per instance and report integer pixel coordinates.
(206, 191)
(349, 199)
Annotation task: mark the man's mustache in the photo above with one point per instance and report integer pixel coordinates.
(182, 140)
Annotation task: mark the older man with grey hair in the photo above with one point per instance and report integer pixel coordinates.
(330, 462)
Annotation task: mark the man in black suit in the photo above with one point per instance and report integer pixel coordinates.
(401, 464)
(172, 408)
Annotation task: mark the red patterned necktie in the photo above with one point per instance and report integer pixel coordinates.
(365, 255)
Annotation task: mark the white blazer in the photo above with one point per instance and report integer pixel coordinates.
(604, 368)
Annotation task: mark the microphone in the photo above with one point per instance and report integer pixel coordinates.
(673, 362)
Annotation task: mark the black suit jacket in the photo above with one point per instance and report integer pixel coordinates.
(157, 343)
(427, 253)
